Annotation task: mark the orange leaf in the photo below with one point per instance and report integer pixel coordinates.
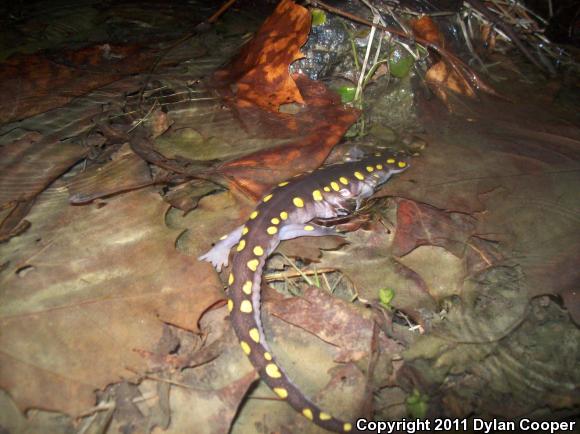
(261, 69)
(262, 82)
(315, 130)
(426, 28)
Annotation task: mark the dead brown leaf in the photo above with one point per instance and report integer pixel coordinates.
(376, 268)
(310, 135)
(125, 172)
(334, 321)
(421, 224)
(260, 71)
(92, 283)
(32, 84)
(38, 160)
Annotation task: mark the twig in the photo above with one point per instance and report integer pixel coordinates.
(480, 7)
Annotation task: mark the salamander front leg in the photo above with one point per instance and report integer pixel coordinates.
(291, 231)
(219, 254)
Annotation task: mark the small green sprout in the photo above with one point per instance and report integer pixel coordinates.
(386, 295)
(400, 63)
(417, 405)
(346, 93)
(318, 17)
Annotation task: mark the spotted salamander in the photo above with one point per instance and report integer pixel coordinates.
(288, 212)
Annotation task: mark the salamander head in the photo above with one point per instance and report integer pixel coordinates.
(384, 165)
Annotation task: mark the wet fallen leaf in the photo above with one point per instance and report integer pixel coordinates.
(35, 83)
(263, 84)
(69, 300)
(422, 225)
(441, 78)
(441, 271)
(377, 267)
(334, 321)
(487, 375)
(38, 160)
(125, 172)
(309, 137)
(424, 27)
(260, 71)
(309, 247)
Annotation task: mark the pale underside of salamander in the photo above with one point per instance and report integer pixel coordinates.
(288, 212)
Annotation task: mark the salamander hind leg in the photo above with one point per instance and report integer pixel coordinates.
(219, 254)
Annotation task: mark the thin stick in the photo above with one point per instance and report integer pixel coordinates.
(220, 11)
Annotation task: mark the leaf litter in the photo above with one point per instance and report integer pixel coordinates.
(463, 247)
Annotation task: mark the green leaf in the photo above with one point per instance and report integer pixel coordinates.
(386, 295)
(417, 405)
(400, 63)
(346, 93)
(318, 17)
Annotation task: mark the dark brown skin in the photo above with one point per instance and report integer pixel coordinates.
(285, 213)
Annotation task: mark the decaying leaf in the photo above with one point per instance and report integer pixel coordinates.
(422, 224)
(263, 84)
(440, 78)
(38, 160)
(376, 268)
(69, 300)
(33, 84)
(309, 135)
(494, 377)
(125, 172)
(260, 71)
(424, 27)
(334, 321)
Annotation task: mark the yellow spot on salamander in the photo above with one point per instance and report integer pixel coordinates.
(258, 251)
(359, 176)
(282, 184)
(379, 167)
(275, 221)
(230, 305)
(281, 392)
(370, 169)
(308, 413)
(335, 186)
(308, 228)
(272, 230)
(327, 189)
(401, 164)
(317, 195)
(253, 215)
(267, 198)
(245, 348)
(283, 215)
(231, 279)
(255, 335)
(273, 371)
(325, 416)
(241, 245)
(343, 180)
(253, 264)
(223, 237)
(298, 202)
(347, 427)
(267, 356)
(246, 306)
(247, 287)
(245, 230)
(390, 161)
